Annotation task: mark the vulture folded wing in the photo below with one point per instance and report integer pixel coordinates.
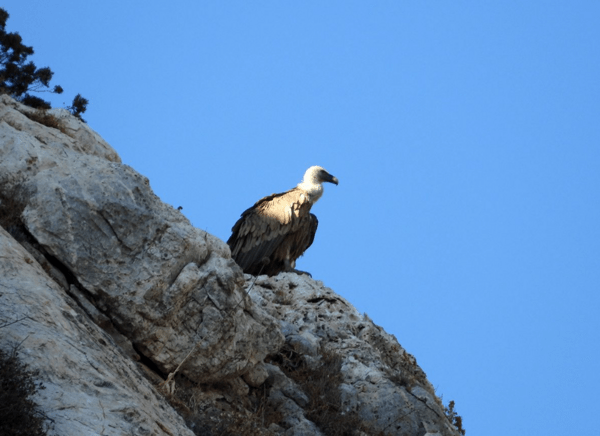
(262, 228)
(299, 241)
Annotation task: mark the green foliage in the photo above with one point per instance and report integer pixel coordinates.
(454, 418)
(78, 106)
(18, 77)
(18, 413)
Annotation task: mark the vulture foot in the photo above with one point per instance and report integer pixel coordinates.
(297, 271)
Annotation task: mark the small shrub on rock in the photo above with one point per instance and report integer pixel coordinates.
(18, 412)
(19, 77)
(321, 382)
(454, 418)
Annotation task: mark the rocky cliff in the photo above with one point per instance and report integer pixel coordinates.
(139, 323)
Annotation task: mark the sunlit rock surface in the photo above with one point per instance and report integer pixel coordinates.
(113, 290)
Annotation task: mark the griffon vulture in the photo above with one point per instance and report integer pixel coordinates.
(277, 230)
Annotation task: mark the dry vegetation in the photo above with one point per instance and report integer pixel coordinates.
(11, 208)
(454, 418)
(42, 116)
(215, 410)
(18, 413)
(321, 383)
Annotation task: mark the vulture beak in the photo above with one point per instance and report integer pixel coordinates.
(331, 179)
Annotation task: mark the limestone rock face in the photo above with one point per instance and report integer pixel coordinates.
(121, 304)
(382, 383)
(77, 137)
(141, 261)
(90, 387)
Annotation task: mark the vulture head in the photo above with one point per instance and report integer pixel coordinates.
(317, 175)
(313, 180)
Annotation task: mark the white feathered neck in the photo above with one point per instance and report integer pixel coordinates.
(312, 184)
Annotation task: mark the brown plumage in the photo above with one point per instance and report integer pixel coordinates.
(277, 230)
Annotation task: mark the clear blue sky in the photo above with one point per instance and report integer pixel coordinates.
(465, 135)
